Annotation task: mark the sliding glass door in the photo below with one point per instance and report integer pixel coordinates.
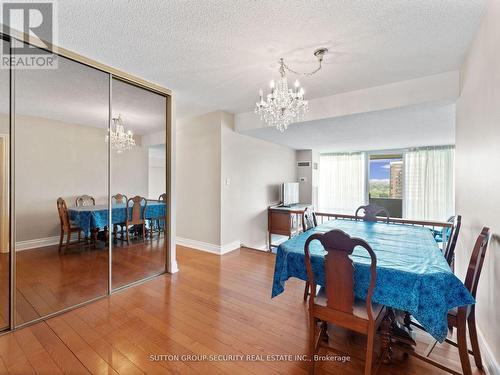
(83, 185)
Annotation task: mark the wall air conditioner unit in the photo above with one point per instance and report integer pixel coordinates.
(303, 164)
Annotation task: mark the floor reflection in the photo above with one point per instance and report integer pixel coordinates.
(48, 281)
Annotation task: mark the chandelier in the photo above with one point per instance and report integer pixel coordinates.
(121, 140)
(284, 105)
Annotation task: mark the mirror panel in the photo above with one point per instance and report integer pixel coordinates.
(4, 192)
(61, 123)
(139, 244)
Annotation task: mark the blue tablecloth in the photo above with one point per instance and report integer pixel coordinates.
(89, 217)
(412, 274)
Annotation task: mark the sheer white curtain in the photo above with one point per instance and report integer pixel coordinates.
(341, 182)
(429, 183)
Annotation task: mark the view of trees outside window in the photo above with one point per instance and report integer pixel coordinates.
(386, 177)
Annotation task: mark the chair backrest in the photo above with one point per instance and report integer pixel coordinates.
(138, 210)
(339, 270)
(85, 200)
(371, 211)
(162, 198)
(119, 198)
(309, 219)
(62, 210)
(449, 252)
(476, 261)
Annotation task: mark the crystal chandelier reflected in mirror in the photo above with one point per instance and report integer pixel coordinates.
(121, 140)
(285, 105)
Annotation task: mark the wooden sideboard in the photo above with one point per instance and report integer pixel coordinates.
(285, 221)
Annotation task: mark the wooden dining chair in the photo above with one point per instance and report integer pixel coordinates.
(449, 251)
(336, 303)
(465, 316)
(84, 200)
(309, 221)
(67, 226)
(119, 199)
(136, 211)
(371, 211)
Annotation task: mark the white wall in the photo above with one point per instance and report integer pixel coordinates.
(255, 169)
(225, 182)
(198, 178)
(129, 171)
(477, 169)
(157, 172)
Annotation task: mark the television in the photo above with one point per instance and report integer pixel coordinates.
(289, 193)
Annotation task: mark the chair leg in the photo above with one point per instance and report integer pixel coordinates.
(61, 238)
(473, 338)
(127, 233)
(462, 346)
(79, 236)
(144, 231)
(68, 238)
(306, 291)
(369, 352)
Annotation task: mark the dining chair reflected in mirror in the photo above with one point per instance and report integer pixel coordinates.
(371, 211)
(119, 199)
(118, 227)
(157, 224)
(135, 216)
(465, 316)
(336, 302)
(84, 200)
(67, 226)
(309, 221)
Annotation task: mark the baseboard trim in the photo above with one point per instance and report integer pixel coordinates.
(208, 247)
(235, 245)
(37, 242)
(490, 363)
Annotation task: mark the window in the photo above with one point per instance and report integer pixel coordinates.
(386, 182)
(416, 183)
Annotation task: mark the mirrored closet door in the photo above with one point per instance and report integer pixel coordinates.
(61, 187)
(138, 177)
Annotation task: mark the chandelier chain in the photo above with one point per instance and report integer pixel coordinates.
(309, 74)
(284, 105)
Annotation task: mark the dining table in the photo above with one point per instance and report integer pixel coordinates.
(412, 273)
(91, 218)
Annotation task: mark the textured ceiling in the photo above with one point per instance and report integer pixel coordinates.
(216, 54)
(412, 126)
(74, 93)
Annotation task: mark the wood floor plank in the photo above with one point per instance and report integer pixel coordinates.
(35, 352)
(58, 351)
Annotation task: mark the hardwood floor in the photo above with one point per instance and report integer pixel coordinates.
(48, 281)
(214, 305)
